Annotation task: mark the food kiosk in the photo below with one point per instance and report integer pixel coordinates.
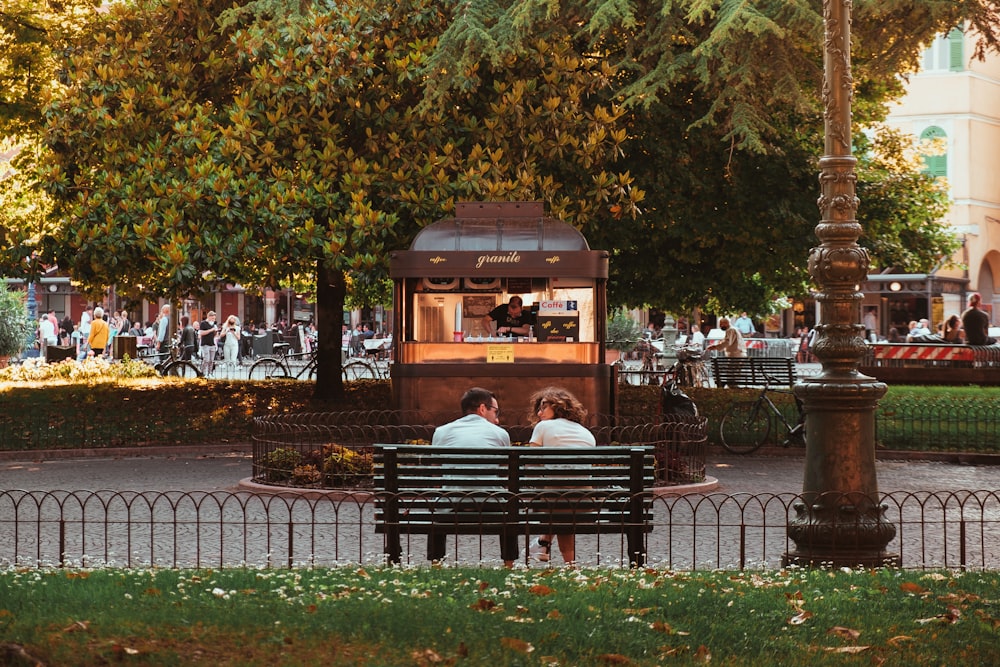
(457, 270)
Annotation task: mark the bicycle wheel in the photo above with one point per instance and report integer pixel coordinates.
(358, 370)
(181, 369)
(744, 427)
(310, 372)
(268, 369)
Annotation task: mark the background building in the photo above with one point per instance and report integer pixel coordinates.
(955, 99)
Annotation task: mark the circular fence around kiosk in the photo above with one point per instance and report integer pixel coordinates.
(333, 450)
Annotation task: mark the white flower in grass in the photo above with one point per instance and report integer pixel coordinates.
(219, 593)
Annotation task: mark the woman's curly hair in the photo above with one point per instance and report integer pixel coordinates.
(564, 404)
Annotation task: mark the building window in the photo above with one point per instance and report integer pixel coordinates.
(934, 144)
(946, 53)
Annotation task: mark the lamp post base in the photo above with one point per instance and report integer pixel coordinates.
(840, 530)
(838, 520)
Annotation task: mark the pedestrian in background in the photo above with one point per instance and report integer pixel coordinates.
(162, 329)
(230, 337)
(99, 332)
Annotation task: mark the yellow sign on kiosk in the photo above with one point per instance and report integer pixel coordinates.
(500, 354)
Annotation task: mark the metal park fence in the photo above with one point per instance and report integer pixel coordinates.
(334, 450)
(959, 530)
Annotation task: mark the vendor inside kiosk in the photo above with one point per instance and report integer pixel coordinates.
(501, 297)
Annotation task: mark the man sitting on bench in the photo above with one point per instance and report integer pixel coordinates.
(476, 428)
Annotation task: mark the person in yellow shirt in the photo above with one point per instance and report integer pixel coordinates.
(99, 332)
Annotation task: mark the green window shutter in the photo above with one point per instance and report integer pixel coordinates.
(956, 50)
(935, 164)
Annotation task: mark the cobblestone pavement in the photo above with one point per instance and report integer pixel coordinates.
(212, 472)
(781, 474)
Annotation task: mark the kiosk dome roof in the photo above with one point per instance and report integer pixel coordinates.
(496, 226)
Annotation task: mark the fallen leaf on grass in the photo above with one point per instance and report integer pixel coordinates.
(661, 626)
(800, 618)
(426, 657)
(846, 649)
(554, 614)
(614, 659)
(703, 655)
(516, 644)
(910, 587)
(77, 626)
(541, 590)
(483, 605)
(638, 612)
(948, 618)
(899, 639)
(844, 633)
(958, 598)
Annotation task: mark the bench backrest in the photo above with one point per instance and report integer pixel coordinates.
(753, 371)
(406, 469)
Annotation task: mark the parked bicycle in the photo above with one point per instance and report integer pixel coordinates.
(646, 366)
(689, 369)
(746, 425)
(364, 368)
(169, 363)
(291, 366)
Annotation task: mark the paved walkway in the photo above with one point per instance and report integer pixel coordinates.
(183, 528)
(224, 470)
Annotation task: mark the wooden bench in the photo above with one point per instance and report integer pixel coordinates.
(753, 371)
(513, 491)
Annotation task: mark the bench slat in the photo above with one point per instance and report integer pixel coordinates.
(753, 371)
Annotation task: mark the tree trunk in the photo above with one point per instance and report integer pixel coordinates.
(331, 289)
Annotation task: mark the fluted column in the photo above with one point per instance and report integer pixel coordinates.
(839, 521)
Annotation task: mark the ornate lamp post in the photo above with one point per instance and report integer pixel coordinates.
(839, 521)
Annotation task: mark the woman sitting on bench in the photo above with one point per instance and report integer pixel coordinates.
(558, 418)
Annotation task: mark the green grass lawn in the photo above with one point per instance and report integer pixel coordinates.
(447, 616)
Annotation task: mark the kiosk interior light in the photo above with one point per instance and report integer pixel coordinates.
(895, 286)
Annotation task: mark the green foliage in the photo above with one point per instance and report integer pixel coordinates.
(902, 207)
(365, 292)
(280, 464)
(588, 617)
(729, 174)
(62, 414)
(25, 208)
(34, 36)
(14, 325)
(623, 332)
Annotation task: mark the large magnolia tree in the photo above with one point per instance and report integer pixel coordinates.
(186, 155)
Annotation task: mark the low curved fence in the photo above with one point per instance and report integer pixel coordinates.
(334, 450)
(959, 530)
